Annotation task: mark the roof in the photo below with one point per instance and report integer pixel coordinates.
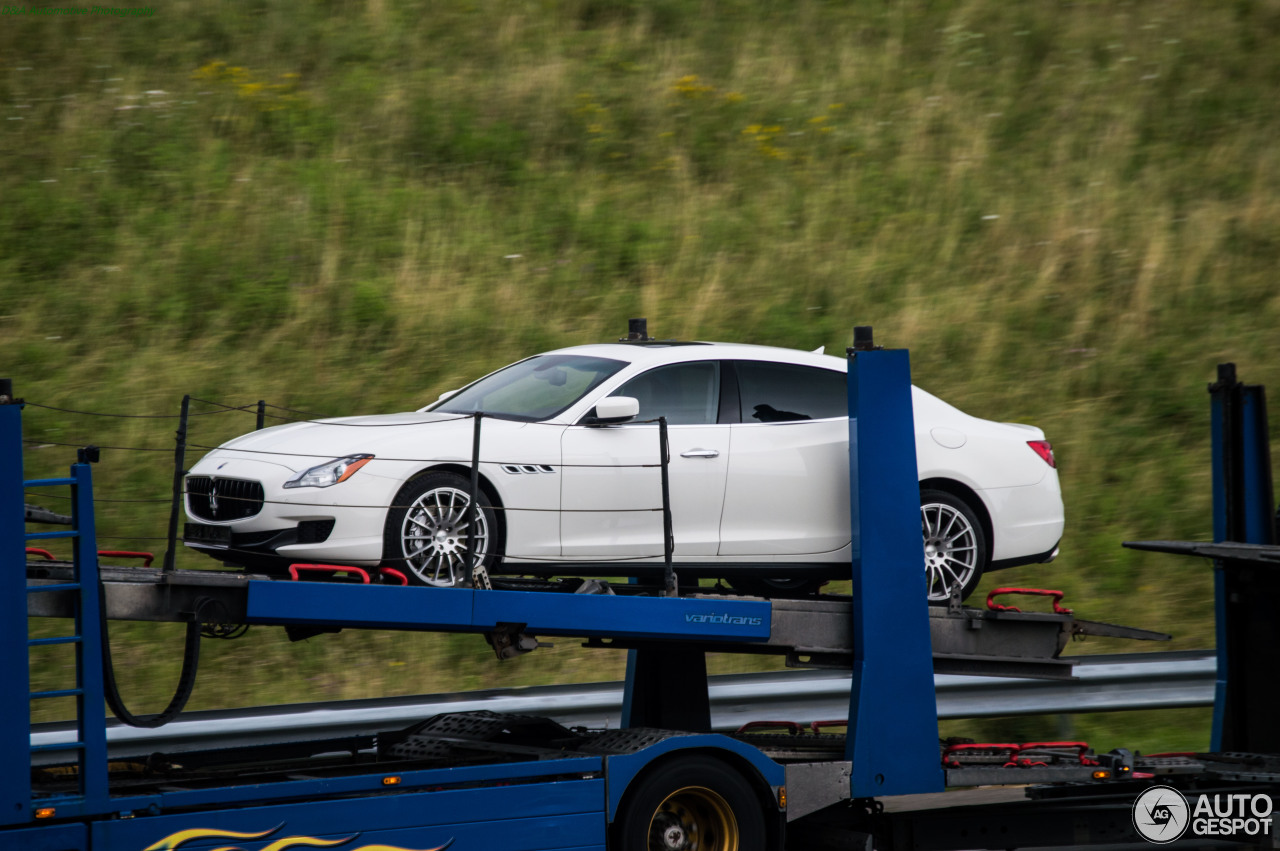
(658, 352)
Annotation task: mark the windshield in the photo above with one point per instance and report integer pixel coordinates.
(535, 389)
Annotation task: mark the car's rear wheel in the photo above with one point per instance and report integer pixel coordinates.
(432, 536)
(955, 545)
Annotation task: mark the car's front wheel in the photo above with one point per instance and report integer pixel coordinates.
(432, 536)
(955, 545)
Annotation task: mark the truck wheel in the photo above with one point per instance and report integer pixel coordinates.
(695, 803)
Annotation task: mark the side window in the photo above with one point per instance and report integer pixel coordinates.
(778, 393)
(685, 393)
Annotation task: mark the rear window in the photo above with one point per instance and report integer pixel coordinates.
(779, 393)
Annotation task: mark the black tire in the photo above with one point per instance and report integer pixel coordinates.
(426, 535)
(691, 802)
(796, 586)
(955, 545)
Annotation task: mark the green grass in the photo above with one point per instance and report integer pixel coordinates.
(1068, 212)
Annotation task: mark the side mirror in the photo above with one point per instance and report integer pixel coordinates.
(615, 409)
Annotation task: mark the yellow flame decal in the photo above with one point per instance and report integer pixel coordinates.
(169, 843)
(295, 841)
(292, 841)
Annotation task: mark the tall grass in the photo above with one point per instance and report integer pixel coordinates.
(1068, 212)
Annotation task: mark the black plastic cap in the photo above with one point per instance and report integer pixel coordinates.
(637, 330)
(863, 340)
(1226, 377)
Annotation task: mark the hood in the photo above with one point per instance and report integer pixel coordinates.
(412, 435)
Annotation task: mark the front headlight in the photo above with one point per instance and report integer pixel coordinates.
(329, 473)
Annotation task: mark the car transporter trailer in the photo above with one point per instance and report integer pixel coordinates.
(663, 781)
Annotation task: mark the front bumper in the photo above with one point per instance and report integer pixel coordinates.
(209, 537)
(340, 524)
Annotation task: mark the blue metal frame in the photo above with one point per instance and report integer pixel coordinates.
(1242, 512)
(465, 610)
(568, 814)
(1217, 430)
(15, 741)
(893, 714)
(91, 702)
(282, 792)
(90, 747)
(1241, 450)
(892, 742)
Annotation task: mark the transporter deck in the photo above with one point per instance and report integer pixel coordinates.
(815, 632)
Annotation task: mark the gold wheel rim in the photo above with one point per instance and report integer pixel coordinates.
(694, 818)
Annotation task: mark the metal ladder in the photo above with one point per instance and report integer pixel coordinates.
(89, 749)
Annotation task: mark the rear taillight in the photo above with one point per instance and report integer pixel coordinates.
(1044, 449)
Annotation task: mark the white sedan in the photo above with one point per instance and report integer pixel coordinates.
(759, 477)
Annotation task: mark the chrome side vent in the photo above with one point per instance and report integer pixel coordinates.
(526, 469)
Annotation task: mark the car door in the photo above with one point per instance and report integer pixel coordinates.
(611, 495)
(787, 488)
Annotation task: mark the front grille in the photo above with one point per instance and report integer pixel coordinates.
(211, 498)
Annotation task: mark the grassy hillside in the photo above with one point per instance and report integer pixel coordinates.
(1067, 211)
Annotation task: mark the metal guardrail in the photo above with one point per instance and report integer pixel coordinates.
(1103, 684)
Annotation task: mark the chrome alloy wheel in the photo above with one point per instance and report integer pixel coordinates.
(437, 540)
(951, 550)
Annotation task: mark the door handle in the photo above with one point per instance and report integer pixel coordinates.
(701, 453)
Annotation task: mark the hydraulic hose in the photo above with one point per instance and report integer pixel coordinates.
(186, 680)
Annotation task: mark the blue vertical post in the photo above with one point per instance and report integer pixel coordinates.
(893, 717)
(1243, 504)
(15, 710)
(1218, 428)
(91, 714)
